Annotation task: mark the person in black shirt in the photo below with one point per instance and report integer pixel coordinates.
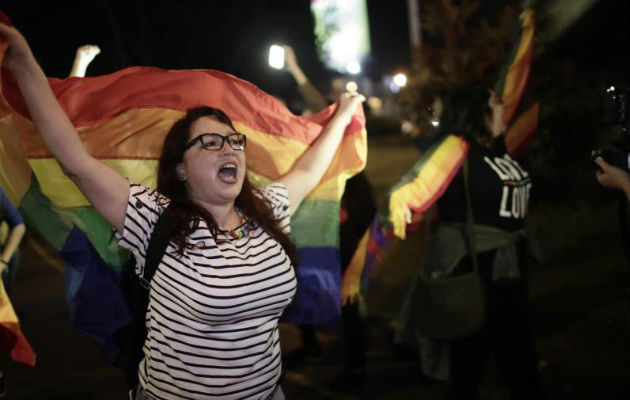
(499, 191)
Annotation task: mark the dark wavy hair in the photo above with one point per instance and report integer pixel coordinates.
(186, 214)
(465, 113)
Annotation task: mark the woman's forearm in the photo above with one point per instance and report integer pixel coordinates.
(318, 157)
(310, 168)
(103, 186)
(53, 124)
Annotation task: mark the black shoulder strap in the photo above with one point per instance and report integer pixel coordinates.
(470, 222)
(157, 246)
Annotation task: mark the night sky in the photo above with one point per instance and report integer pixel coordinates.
(234, 36)
(231, 36)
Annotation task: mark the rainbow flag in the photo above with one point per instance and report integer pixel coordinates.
(522, 132)
(416, 191)
(371, 250)
(515, 73)
(429, 177)
(122, 119)
(12, 339)
(425, 182)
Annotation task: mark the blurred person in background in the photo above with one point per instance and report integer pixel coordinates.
(357, 211)
(499, 192)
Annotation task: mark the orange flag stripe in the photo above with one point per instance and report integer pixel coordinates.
(518, 72)
(523, 131)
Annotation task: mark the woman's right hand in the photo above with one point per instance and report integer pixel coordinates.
(19, 54)
(348, 103)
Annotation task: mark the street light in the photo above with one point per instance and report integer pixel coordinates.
(276, 57)
(400, 80)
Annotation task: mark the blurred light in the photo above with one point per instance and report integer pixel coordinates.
(406, 127)
(353, 67)
(610, 89)
(400, 80)
(276, 57)
(375, 103)
(352, 86)
(435, 122)
(394, 87)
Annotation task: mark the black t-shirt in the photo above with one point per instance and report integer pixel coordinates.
(499, 189)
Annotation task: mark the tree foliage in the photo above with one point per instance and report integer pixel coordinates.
(459, 46)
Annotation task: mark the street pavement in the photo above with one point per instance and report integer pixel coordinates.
(581, 316)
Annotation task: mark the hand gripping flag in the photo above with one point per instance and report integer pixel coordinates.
(122, 119)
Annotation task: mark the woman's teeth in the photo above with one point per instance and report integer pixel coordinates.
(228, 172)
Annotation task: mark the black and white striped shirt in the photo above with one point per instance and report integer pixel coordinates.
(212, 318)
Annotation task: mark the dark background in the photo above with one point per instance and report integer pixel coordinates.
(231, 36)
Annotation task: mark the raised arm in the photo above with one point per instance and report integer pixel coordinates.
(104, 187)
(315, 101)
(310, 168)
(84, 56)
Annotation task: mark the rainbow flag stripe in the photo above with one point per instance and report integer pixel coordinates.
(522, 133)
(12, 340)
(122, 119)
(514, 74)
(426, 181)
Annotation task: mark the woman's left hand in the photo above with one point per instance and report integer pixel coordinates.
(310, 168)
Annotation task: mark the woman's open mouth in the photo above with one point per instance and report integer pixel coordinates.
(228, 173)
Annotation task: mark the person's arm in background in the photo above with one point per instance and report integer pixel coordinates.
(84, 56)
(613, 177)
(313, 98)
(16, 230)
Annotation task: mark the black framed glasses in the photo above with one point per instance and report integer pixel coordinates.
(215, 141)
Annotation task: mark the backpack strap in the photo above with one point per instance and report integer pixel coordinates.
(158, 242)
(470, 221)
